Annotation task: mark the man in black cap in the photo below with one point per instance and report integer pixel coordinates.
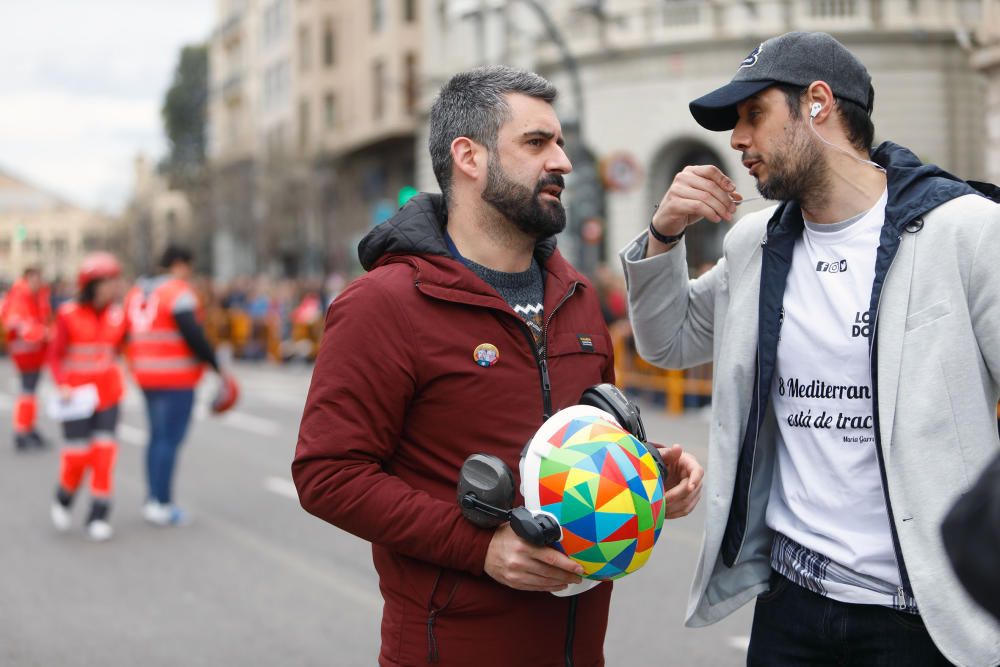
(855, 331)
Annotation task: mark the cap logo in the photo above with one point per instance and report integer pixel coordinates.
(751, 59)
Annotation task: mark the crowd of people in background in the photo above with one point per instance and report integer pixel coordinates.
(281, 319)
(261, 318)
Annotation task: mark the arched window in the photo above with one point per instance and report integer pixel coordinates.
(704, 239)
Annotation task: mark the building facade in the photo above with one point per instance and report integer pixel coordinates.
(640, 62)
(986, 58)
(38, 228)
(312, 120)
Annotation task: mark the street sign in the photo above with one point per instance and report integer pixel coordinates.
(620, 172)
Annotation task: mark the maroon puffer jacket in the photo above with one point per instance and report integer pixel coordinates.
(397, 403)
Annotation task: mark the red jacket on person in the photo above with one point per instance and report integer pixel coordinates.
(26, 316)
(85, 348)
(397, 403)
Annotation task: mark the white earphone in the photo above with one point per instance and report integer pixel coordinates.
(814, 110)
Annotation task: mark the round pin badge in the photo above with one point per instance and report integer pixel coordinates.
(486, 355)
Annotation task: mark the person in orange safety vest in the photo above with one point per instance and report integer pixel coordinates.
(167, 351)
(26, 316)
(82, 357)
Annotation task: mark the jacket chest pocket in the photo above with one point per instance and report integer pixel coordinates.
(578, 357)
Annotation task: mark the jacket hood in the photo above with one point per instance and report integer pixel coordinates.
(418, 229)
(914, 187)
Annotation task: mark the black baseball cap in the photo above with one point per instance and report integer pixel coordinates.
(796, 58)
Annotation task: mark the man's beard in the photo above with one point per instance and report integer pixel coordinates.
(797, 172)
(522, 206)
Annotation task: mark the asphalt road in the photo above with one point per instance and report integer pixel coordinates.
(254, 580)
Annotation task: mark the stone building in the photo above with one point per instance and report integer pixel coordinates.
(640, 62)
(41, 228)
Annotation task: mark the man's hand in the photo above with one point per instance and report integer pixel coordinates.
(682, 488)
(700, 191)
(518, 564)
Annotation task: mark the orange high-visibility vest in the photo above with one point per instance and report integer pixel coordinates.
(157, 354)
(26, 317)
(92, 343)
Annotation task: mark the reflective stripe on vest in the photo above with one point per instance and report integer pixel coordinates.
(25, 347)
(88, 357)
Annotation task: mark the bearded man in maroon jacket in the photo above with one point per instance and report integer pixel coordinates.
(467, 332)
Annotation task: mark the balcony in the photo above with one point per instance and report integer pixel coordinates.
(682, 22)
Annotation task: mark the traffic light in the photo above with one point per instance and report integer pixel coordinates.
(406, 193)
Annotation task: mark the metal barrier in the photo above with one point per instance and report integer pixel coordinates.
(633, 372)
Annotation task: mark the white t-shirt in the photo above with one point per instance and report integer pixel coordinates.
(827, 493)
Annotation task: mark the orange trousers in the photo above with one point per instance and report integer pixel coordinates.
(99, 458)
(25, 411)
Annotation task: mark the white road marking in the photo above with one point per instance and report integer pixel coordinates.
(739, 642)
(342, 584)
(282, 487)
(133, 435)
(250, 423)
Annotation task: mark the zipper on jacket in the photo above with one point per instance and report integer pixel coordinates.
(570, 631)
(541, 359)
(904, 588)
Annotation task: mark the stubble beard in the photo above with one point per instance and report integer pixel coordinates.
(797, 172)
(522, 206)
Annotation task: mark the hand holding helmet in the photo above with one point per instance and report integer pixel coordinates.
(592, 490)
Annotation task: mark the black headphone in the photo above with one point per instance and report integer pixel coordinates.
(486, 484)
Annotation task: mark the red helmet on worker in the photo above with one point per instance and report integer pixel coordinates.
(98, 266)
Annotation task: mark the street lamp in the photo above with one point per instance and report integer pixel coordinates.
(585, 189)
(586, 192)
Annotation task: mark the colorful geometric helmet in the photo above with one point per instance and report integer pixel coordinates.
(603, 487)
(97, 266)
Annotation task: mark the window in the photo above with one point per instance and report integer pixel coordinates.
(412, 90)
(33, 244)
(59, 246)
(171, 223)
(91, 242)
(378, 15)
(378, 87)
(410, 11)
(328, 50)
(4, 245)
(303, 125)
(305, 49)
(330, 110)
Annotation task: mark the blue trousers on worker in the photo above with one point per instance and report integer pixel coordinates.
(169, 412)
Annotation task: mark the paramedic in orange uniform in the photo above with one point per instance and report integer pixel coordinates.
(27, 315)
(88, 334)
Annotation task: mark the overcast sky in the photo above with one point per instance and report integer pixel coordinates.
(81, 85)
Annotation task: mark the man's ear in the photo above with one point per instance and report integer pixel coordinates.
(468, 157)
(819, 100)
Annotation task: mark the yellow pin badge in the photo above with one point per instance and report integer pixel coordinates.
(486, 355)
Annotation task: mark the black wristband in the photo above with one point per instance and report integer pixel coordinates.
(663, 238)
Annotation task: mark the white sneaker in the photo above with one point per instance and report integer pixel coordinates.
(161, 514)
(99, 530)
(155, 513)
(60, 516)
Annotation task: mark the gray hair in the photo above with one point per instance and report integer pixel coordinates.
(472, 105)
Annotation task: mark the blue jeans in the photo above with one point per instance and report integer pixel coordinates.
(794, 626)
(169, 412)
